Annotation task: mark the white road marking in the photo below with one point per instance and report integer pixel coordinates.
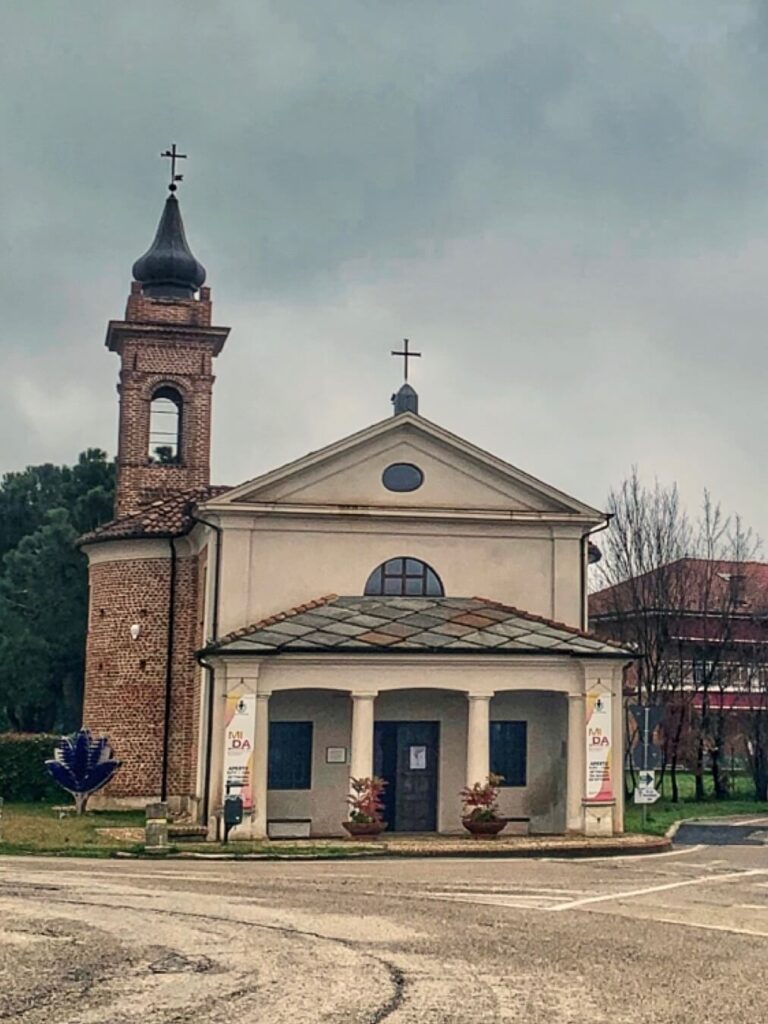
(629, 893)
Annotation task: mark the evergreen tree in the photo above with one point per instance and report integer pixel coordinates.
(44, 588)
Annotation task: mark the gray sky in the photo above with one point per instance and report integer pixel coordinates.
(564, 206)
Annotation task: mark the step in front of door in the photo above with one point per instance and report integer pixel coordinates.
(289, 828)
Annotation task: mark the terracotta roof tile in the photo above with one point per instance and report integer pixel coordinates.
(167, 517)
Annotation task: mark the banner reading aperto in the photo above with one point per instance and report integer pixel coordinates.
(599, 739)
(240, 734)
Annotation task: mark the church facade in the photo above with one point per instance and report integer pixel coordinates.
(400, 603)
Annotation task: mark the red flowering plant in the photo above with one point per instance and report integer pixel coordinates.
(365, 803)
(481, 801)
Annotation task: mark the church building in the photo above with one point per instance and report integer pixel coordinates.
(399, 603)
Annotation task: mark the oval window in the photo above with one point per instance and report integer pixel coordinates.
(402, 476)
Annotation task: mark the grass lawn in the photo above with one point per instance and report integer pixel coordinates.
(664, 813)
(37, 828)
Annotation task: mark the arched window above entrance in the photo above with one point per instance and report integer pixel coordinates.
(404, 577)
(165, 427)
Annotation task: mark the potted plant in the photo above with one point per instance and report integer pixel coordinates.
(481, 808)
(365, 807)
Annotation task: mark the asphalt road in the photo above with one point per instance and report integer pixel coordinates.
(681, 936)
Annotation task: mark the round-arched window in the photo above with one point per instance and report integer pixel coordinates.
(402, 476)
(404, 577)
(165, 427)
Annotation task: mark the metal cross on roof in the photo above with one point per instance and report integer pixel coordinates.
(174, 156)
(406, 354)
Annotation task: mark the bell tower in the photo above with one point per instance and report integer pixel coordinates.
(166, 345)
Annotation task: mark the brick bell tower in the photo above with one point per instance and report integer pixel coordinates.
(142, 681)
(166, 346)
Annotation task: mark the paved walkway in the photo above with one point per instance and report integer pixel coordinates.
(413, 845)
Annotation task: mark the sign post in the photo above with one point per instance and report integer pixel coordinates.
(647, 718)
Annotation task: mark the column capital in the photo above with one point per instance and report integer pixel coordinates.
(263, 695)
(480, 696)
(364, 694)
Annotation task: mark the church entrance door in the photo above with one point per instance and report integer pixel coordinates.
(406, 755)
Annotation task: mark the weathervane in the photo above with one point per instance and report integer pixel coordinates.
(406, 354)
(174, 156)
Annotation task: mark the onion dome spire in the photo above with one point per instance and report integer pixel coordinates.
(168, 269)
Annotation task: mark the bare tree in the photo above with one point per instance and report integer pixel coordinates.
(751, 664)
(640, 571)
(716, 588)
(670, 589)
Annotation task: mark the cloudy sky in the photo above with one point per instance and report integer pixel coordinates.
(564, 205)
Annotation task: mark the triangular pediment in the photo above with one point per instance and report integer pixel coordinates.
(456, 475)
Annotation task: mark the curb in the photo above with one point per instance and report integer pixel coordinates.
(659, 845)
(674, 827)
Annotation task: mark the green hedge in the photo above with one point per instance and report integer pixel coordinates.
(23, 776)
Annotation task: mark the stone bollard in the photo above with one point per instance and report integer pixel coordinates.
(156, 828)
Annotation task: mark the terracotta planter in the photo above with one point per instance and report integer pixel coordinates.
(364, 829)
(483, 829)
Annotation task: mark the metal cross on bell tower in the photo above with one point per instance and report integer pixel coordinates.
(174, 156)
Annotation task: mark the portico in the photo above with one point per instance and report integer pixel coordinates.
(428, 721)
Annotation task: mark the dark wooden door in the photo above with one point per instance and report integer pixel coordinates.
(407, 757)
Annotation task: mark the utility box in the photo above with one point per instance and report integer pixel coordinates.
(233, 813)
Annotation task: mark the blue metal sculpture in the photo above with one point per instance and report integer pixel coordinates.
(82, 765)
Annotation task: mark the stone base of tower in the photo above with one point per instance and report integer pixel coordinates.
(186, 807)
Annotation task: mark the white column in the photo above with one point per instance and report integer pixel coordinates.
(478, 737)
(260, 767)
(361, 753)
(576, 764)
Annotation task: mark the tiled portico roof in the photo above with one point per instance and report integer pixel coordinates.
(411, 625)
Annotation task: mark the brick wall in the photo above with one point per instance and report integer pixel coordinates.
(143, 309)
(125, 678)
(163, 342)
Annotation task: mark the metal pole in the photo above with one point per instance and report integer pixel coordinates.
(646, 713)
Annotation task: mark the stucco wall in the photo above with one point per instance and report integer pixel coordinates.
(277, 563)
(543, 798)
(325, 803)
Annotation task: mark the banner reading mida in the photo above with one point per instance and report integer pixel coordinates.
(599, 743)
(240, 732)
